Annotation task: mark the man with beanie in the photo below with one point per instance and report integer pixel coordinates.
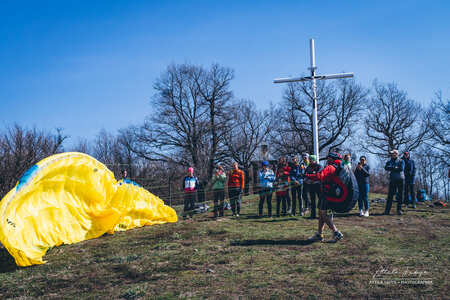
(236, 183)
(396, 167)
(266, 179)
(313, 189)
(410, 177)
(190, 186)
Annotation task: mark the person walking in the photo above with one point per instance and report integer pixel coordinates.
(314, 189)
(218, 185)
(236, 181)
(190, 186)
(362, 173)
(296, 176)
(396, 167)
(410, 177)
(282, 186)
(266, 179)
(327, 177)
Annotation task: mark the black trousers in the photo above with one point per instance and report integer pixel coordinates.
(235, 199)
(314, 193)
(265, 195)
(297, 194)
(395, 187)
(219, 197)
(282, 199)
(409, 191)
(189, 204)
(306, 202)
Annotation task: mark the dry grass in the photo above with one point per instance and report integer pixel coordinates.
(249, 258)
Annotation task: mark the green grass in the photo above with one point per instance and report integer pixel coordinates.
(247, 257)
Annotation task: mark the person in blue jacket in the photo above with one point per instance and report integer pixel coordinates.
(266, 179)
(362, 173)
(410, 177)
(297, 173)
(396, 167)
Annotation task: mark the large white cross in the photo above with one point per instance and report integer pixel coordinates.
(313, 78)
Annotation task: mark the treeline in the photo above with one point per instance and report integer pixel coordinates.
(195, 120)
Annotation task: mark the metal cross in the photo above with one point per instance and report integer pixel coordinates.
(313, 78)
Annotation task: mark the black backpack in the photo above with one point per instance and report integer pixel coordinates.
(342, 194)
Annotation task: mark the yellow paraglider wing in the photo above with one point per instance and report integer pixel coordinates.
(71, 197)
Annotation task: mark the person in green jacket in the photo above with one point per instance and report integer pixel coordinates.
(218, 185)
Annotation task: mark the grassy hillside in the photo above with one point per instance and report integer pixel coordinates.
(248, 257)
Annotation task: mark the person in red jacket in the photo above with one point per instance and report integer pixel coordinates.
(282, 182)
(235, 187)
(325, 177)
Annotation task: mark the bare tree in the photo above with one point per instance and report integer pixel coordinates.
(214, 87)
(439, 117)
(393, 121)
(20, 148)
(188, 118)
(248, 130)
(340, 105)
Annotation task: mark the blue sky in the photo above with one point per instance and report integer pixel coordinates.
(88, 65)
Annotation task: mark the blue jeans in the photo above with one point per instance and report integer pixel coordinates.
(363, 200)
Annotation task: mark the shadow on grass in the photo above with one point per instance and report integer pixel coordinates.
(272, 243)
(7, 263)
(276, 219)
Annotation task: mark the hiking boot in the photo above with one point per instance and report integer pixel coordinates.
(317, 237)
(337, 236)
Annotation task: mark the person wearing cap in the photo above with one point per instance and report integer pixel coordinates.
(236, 181)
(312, 186)
(362, 173)
(296, 176)
(326, 177)
(396, 167)
(266, 179)
(190, 186)
(218, 185)
(282, 182)
(410, 177)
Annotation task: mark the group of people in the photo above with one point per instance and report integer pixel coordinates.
(298, 184)
(235, 182)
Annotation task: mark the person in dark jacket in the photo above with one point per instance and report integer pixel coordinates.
(296, 174)
(305, 159)
(396, 167)
(410, 177)
(362, 173)
(313, 187)
(190, 186)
